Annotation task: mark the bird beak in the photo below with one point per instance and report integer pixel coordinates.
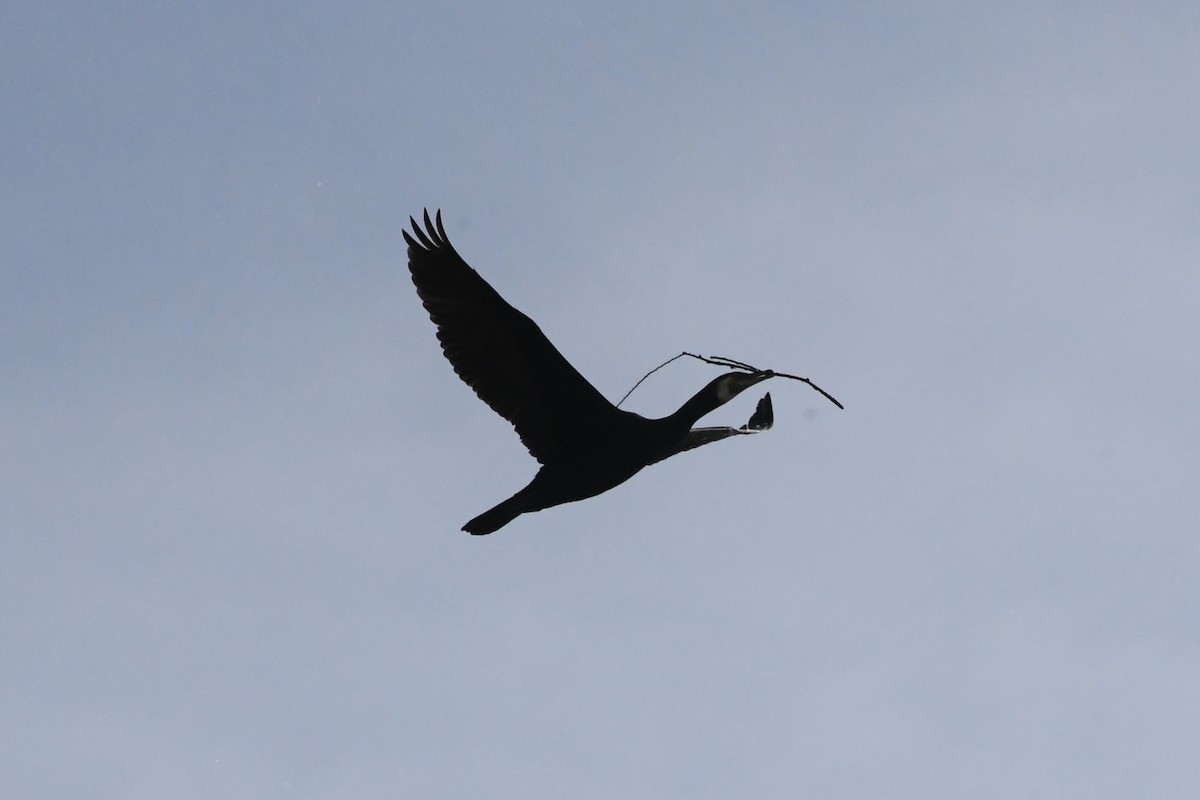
(751, 378)
(731, 384)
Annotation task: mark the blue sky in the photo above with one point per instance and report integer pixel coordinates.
(235, 463)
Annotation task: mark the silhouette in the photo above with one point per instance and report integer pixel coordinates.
(585, 444)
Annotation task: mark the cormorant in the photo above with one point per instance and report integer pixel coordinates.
(585, 444)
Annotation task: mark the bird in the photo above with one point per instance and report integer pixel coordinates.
(584, 443)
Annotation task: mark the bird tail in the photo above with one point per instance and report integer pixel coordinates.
(495, 518)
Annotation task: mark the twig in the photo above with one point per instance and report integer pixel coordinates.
(648, 374)
(722, 361)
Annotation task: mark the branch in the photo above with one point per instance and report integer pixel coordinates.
(721, 361)
(648, 374)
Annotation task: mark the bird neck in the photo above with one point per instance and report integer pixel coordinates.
(702, 402)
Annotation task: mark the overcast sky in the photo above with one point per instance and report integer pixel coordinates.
(235, 463)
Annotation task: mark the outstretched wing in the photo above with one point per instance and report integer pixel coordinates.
(762, 419)
(498, 351)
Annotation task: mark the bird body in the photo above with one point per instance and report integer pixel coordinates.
(585, 444)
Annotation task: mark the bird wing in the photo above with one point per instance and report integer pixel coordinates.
(498, 351)
(762, 419)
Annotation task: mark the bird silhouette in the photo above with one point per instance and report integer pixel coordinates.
(584, 443)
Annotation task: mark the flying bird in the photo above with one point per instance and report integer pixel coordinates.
(584, 443)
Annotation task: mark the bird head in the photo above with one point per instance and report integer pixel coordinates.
(731, 384)
(717, 393)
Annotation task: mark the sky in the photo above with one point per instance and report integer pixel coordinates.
(235, 463)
